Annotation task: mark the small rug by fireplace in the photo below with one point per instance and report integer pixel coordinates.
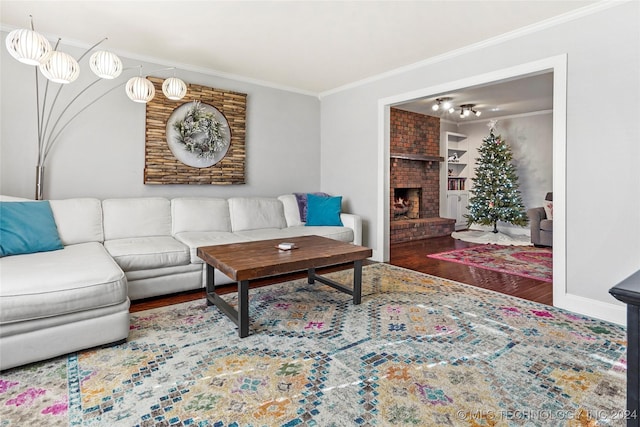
(525, 261)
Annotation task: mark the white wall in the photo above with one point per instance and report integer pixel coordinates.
(101, 154)
(602, 223)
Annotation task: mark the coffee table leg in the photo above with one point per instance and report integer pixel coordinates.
(210, 276)
(243, 308)
(356, 292)
(357, 282)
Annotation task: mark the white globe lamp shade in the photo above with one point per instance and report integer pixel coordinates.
(140, 89)
(174, 88)
(28, 47)
(60, 68)
(105, 65)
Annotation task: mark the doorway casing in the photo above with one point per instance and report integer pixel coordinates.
(555, 64)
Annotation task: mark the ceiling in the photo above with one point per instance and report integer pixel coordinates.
(510, 97)
(307, 46)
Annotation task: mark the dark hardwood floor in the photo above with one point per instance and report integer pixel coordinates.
(411, 255)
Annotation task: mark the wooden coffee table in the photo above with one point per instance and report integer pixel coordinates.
(247, 261)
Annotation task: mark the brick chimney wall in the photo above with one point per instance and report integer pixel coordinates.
(413, 133)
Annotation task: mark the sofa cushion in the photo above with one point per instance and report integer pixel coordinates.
(206, 238)
(323, 210)
(344, 234)
(291, 210)
(338, 233)
(4, 198)
(200, 214)
(78, 220)
(76, 278)
(546, 225)
(142, 253)
(27, 227)
(136, 217)
(254, 213)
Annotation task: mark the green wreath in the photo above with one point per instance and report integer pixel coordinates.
(200, 132)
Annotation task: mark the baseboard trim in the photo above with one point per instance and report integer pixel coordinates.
(589, 307)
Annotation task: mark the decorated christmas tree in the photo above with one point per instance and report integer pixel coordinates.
(495, 195)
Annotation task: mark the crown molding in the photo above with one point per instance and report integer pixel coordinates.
(557, 20)
(181, 66)
(529, 29)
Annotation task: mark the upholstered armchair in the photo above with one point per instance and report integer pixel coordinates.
(541, 222)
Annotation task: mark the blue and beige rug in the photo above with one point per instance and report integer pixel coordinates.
(418, 351)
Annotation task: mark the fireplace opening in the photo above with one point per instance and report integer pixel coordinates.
(406, 203)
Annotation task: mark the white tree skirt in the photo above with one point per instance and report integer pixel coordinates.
(489, 237)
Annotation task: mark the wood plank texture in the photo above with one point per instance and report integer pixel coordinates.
(251, 260)
(161, 167)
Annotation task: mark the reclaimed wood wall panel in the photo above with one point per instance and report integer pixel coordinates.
(160, 165)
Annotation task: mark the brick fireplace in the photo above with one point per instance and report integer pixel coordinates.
(415, 178)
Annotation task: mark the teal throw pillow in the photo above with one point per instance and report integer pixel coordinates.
(323, 210)
(27, 227)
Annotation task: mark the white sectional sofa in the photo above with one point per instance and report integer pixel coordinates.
(117, 250)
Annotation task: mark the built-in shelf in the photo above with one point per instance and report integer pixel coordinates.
(456, 146)
(417, 157)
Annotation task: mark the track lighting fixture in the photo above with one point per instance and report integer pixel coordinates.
(467, 109)
(444, 104)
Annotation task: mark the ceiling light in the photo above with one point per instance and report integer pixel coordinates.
(174, 88)
(467, 109)
(445, 103)
(140, 89)
(60, 67)
(105, 65)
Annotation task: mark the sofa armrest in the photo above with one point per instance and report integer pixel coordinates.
(354, 222)
(535, 216)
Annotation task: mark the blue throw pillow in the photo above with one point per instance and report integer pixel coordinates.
(27, 227)
(323, 210)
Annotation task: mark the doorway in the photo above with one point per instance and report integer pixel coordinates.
(558, 66)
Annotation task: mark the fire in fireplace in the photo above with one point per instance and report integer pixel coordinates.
(406, 203)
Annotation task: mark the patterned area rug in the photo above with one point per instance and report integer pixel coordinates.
(418, 351)
(525, 261)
